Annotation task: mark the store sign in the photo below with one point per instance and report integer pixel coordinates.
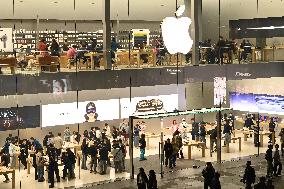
(240, 74)
(175, 33)
(148, 105)
(262, 103)
(220, 90)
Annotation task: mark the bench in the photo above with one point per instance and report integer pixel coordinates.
(10, 62)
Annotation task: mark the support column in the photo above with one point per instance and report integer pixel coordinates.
(107, 34)
(194, 8)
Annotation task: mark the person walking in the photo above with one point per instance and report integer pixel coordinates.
(142, 145)
(208, 174)
(249, 176)
(152, 181)
(142, 179)
(168, 148)
(277, 162)
(269, 160)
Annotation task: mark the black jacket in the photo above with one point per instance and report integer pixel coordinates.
(142, 143)
(168, 148)
(249, 175)
(208, 174)
(103, 153)
(268, 155)
(152, 183)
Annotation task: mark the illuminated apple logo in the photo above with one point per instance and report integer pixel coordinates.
(175, 33)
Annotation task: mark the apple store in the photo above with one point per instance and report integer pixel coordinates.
(92, 90)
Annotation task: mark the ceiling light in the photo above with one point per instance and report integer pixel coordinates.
(92, 3)
(55, 2)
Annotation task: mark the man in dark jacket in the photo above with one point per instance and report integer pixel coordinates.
(93, 153)
(249, 176)
(168, 148)
(195, 130)
(24, 149)
(142, 179)
(103, 158)
(216, 181)
(208, 174)
(269, 160)
(261, 184)
(72, 159)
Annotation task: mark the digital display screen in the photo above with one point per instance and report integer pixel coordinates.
(19, 118)
(88, 111)
(148, 105)
(263, 103)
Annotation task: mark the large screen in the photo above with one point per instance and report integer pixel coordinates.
(19, 118)
(263, 103)
(89, 111)
(148, 105)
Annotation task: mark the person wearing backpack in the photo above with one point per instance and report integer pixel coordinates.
(269, 160)
(142, 179)
(208, 174)
(249, 176)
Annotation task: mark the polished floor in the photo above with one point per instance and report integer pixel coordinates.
(192, 176)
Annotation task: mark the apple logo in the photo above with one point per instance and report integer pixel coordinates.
(175, 33)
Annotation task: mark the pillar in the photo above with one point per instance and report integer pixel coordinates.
(107, 34)
(194, 11)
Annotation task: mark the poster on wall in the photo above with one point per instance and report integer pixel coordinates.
(19, 118)
(6, 39)
(219, 90)
(262, 103)
(148, 105)
(88, 111)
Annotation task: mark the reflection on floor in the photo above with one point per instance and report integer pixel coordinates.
(86, 178)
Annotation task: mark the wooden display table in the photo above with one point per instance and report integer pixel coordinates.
(262, 133)
(95, 54)
(75, 146)
(234, 140)
(148, 136)
(197, 144)
(5, 170)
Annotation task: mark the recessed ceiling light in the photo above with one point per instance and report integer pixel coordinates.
(162, 5)
(55, 2)
(21, 1)
(93, 3)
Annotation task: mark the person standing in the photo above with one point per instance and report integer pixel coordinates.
(24, 149)
(216, 181)
(227, 132)
(142, 179)
(142, 145)
(67, 135)
(231, 119)
(84, 148)
(281, 134)
(5, 159)
(58, 144)
(261, 184)
(208, 174)
(174, 128)
(213, 139)
(202, 133)
(269, 160)
(269, 184)
(174, 154)
(13, 154)
(103, 151)
(277, 162)
(136, 136)
(272, 130)
(72, 159)
(152, 181)
(143, 127)
(179, 144)
(195, 130)
(168, 148)
(40, 165)
(183, 126)
(54, 48)
(123, 150)
(93, 151)
(117, 158)
(249, 176)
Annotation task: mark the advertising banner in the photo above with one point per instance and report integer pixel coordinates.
(6, 39)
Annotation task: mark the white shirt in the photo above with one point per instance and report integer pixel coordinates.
(183, 126)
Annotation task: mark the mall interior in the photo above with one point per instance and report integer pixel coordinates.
(85, 84)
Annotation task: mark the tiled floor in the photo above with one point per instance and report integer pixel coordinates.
(184, 176)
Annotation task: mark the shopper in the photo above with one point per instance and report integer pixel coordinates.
(216, 181)
(261, 184)
(281, 134)
(136, 136)
(231, 119)
(174, 128)
(93, 152)
(5, 160)
(142, 179)
(202, 133)
(168, 148)
(117, 158)
(54, 48)
(143, 127)
(269, 160)
(249, 176)
(72, 159)
(272, 130)
(58, 144)
(195, 130)
(208, 174)
(183, 126)
(71, 55)
(175, 153)
(67, 134)
(277, 161)
(13, 154)
(108, 130)
(42, 47)
(84, 148)
(24, 149)
(227, 132)
(152, 181)
(103, 151)
(40, 165)
(67, 165)
(248, 122)
(142, 145)
(53, 168)
(179, 144)
(213, 139)
(123, 150)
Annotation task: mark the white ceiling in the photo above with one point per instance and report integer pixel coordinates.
(151, 10)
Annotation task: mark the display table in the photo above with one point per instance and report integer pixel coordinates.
(234, 141)
(267, 133)
(148, 136)
(92, 55)
(5, 170)
(71, 145)
(198, 145)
